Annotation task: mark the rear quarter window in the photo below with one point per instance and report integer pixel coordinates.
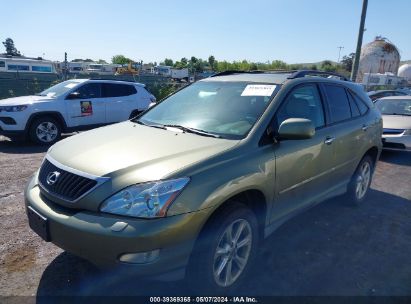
(118, 90)
(360, 104)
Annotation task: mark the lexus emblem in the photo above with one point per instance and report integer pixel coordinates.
(52, 177)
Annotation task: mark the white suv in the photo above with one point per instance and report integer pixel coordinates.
(72, 105)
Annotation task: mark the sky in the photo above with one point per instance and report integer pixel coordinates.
(294, 31)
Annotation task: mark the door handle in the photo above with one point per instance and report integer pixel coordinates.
(329, 140)
(364, 128)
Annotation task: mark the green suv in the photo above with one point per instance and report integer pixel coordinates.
(193, 185)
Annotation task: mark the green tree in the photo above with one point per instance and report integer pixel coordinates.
(211, 62)
(168, 62)
(102, 61)
(10, 48)
(347, 61)
(328, 66)
(120, 59)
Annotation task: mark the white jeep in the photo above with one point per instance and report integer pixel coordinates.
(72, 105)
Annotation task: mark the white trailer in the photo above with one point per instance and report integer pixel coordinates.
(179, 74)
(26, 65)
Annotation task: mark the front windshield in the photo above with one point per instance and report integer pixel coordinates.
(226, 109)
(59, 89)
(394, 106)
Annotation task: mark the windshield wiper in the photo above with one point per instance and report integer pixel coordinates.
(148, 125)
(193, 130)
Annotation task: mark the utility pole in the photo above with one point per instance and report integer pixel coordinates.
(359, 41)
(339, 52)
(65, 66)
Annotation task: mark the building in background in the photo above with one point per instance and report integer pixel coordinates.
(379, 56)
(405, 72)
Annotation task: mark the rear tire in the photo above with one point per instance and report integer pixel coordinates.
(361, 181)
(225, 250)
(45, 131)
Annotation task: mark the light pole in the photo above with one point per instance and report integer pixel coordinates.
(359, 41)
(339, 52)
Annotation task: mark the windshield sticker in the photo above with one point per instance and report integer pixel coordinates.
(70, 85)
(86, 108)
(258, 90)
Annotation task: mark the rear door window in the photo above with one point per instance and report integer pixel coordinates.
(338, 103)
(118, 90)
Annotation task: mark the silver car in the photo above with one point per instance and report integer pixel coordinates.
(396, 114)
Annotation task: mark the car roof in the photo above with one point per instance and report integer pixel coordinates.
(111, 81)
(405, 97)
(275, 77)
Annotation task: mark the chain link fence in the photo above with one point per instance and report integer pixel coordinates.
(23, 84)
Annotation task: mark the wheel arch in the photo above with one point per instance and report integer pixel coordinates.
(56, 115)
(253, 199)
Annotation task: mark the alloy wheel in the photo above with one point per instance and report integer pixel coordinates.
(232, 252)
(363, 180)
(46, 132)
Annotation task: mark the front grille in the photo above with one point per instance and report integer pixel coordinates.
(68, 186)
(393, 131)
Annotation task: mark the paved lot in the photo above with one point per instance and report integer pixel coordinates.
(332, 249)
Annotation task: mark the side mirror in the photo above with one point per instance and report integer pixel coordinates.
(296, 128)
(73, 95)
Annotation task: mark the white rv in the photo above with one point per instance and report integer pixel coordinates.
(26, 65)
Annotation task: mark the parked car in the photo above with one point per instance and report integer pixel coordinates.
(192, 186)
(72, 105)
(374, 95)
(396, 114)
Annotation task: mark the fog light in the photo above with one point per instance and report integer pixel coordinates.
(140, 257)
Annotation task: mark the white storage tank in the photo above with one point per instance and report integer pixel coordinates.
(379, 56)
(405, 71)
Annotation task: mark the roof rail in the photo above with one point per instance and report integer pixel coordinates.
(303, 73)
(108, 79)
(231, 72)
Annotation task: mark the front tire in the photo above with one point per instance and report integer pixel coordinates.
(45, 131)
(361, 181)
(225, 250)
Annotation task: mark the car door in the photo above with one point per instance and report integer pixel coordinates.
(303, 167)
(121, 100)
(348, 129)
(85, 106)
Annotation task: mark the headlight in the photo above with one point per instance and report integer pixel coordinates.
(147, 200)
(13, 108)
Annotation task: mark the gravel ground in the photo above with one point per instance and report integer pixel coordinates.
(332, 249)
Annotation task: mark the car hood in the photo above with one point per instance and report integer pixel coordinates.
(149, 152)
(23, 100)
(396, 122)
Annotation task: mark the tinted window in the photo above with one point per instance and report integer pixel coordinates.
(90, 90)
(2, 64)
(15, 67)
(303, 102)
(35, 68)
(338, 103)
(360, 104)
(118, 90)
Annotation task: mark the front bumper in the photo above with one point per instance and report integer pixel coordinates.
(397, 142)
(91, 235)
